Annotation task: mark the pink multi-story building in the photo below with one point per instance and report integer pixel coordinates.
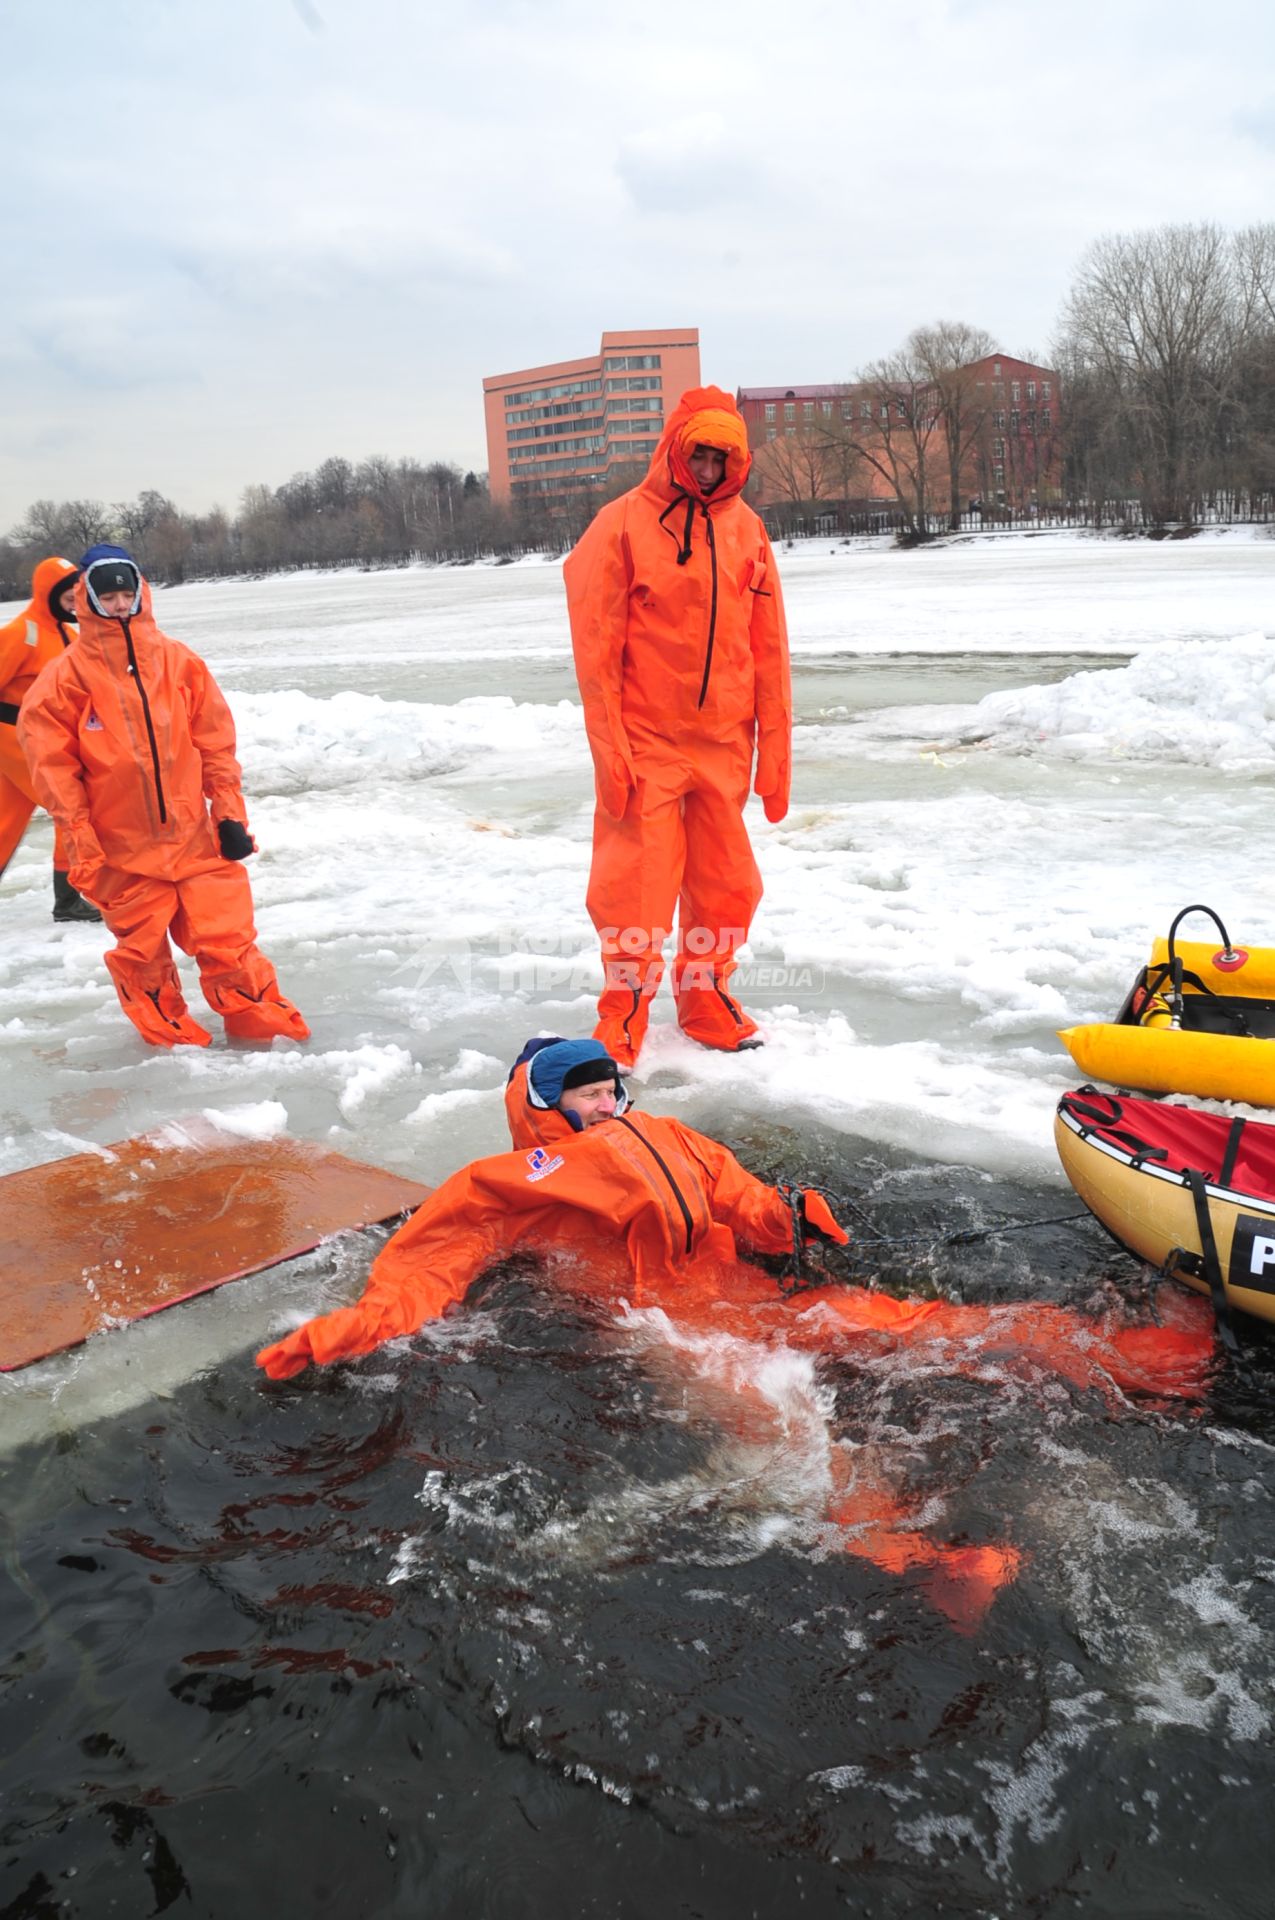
(565, 428)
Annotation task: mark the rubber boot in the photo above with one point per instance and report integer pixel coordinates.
(156, 1007)
(706, 1012)
(68, 904)
(625, 1006)
(261, 1019)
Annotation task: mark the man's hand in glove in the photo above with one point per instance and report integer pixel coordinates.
(236, 841)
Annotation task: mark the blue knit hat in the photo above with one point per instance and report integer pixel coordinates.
(555, 1066)
(108, 569)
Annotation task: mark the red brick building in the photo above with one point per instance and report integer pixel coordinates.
(859, 441)
(564, 428)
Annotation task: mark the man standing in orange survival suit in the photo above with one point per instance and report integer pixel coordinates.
(38, 635)
(129, 742)
(681, 653)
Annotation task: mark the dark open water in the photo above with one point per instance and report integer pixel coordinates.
(512, 1622)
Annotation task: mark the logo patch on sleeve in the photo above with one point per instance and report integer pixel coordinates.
(93, 724)
(542, 1163)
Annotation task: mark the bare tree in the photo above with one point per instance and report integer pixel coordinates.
(1156, 313)
(895, 432)
(947, 354)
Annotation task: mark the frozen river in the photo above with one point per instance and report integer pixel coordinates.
(1016, 757)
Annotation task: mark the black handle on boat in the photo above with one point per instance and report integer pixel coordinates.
(1217, 922)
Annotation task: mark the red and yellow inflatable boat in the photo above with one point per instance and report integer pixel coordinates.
(1190, 1193)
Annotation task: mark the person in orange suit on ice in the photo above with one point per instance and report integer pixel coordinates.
(27, 644)
(642, 1211)
(681, 653)
(130, 743)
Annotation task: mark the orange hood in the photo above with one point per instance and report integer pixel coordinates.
(533, 1126)
(704, 416)
(46, 580)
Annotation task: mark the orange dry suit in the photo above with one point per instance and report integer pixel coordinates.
(129, 741)
(27, 645)
(681, 652)
(647, 1212)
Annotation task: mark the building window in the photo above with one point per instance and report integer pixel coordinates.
(1031, 389)
(1031, 419)
(998, 449)
(996, 368)
(999, 476)
(1000, 420)
(790, 433)
(630, 362)
(770, 410)
(790, 411)
(1045, 418)
(1014, 418)
(552, 393)
(827, 409)
(865, 410)
(1014, 390)
(807, 409)
(772, 433)
(1044, 390)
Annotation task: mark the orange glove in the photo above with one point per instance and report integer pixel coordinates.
(87, 858)
(772, 783)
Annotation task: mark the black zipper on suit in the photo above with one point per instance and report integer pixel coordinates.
(146, 713)
(663, 1167)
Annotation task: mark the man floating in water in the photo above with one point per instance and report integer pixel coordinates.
(654, 1214)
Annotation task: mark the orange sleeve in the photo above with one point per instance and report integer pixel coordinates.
(49, 735)
(598, 578)
(14, 651)
(478, 1216)
(213, 731)
(755, 1213)
(773, 679)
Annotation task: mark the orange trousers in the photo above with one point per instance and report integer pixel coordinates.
(681, 843)
(18, 802)
(208, 912)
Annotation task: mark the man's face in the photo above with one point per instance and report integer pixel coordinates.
(591, 1103)
(116, 604)
(66, 602)
(708, 464)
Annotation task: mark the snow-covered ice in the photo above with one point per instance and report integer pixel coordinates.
(1016, 757)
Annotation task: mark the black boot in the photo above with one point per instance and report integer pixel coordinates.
(68, 904)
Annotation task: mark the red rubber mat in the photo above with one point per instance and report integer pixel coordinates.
(108, 1237)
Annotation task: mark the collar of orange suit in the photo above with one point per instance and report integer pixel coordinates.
(708, 417)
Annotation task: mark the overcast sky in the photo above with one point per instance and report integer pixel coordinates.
(243, 235)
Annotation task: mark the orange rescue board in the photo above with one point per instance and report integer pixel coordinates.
(112, 1236)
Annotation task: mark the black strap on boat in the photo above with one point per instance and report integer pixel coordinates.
(9, 713)
(1211, 1262)
(1232, 1152)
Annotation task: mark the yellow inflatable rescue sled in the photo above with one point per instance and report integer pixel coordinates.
(1198, 1019)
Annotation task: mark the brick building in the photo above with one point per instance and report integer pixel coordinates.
(857, 441)
(565, 428)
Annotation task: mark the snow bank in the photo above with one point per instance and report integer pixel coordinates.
(1196, 703)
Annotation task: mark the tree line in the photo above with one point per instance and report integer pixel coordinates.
(1165, 414)
(1161, 384)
